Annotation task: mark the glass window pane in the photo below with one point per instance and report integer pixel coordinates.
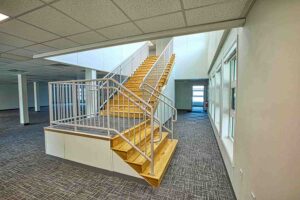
(233, 98)
(198, 99)
(233, 63)
(198, 93)
(231, 128)
(198, 87)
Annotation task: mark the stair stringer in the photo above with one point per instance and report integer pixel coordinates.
(121, 166)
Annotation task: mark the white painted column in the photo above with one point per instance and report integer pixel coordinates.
(36, 93)
(23, 99)
(90, 74)
(91, 100)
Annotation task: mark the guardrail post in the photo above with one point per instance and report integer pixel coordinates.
(74, 103)
(50, 103)
(152, 142)
(107, 96)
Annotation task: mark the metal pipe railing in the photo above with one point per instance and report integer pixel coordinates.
(156, 72)
(127, 67)
(165, 109)
(104, 106)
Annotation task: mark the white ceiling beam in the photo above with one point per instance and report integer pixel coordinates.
(150, 36)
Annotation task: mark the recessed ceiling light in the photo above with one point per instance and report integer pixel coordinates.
(3, 17)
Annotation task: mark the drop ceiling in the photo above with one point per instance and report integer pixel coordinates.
(37, 27)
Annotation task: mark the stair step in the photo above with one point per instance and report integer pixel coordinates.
(121, 113)
(127, 133)
(125, 150)
(161, 162)
(138, 161)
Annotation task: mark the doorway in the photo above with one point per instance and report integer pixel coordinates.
(198, 98)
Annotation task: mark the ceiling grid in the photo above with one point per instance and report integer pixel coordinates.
(43, 26)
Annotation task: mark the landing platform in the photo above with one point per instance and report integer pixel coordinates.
(123, 123)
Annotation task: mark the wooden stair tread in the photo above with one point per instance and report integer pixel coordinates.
(125, 147)
(161, 162)
(137, 158)
(164, 149)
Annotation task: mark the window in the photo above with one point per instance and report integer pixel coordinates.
(218, 100)
(210, 99)
(198, 95)
(213, 97)
(233, 77)
(223, 98)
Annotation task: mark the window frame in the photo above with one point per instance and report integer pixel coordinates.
(232, 55)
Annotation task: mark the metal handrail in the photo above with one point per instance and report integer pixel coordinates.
(90, 105)
(163, 108)
(156, 62)
(156, 72)
(141, 53)
(164, 96)
(146, 84)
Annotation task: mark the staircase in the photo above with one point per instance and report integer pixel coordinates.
(128, 107)
(141, 133)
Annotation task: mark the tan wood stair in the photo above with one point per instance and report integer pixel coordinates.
(163, 152)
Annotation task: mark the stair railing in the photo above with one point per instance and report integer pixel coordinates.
(164, 109)
(128, 66)
(156, 72)
(87, 106)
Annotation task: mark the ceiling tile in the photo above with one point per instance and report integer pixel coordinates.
(51, 20)
(39, 48)
(137, 9)
(214, 13)
(6, 60)
(26, 31)
(120, 31)
(13, 57)
(61, 43)
(87, 38)
(22, 52)
(160, 23)
(199, 3)
(95, 14)
(16, 7)
(4, 47)
(13, 41)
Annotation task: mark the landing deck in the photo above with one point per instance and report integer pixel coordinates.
(100, 125)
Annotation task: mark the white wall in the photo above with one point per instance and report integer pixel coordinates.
(214, 39)
(161, 44)
(267, 138)
(191, 56)
(9, 96)
(104, 59)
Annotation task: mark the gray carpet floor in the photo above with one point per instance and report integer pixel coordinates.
(26, 172)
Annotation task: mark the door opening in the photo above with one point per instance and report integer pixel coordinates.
(198, 98)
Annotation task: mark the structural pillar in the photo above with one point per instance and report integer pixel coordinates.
(36, 92)
(23, 99)
(90, 74)
(91, 93)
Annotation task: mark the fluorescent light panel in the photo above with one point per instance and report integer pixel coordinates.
(3, 17)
